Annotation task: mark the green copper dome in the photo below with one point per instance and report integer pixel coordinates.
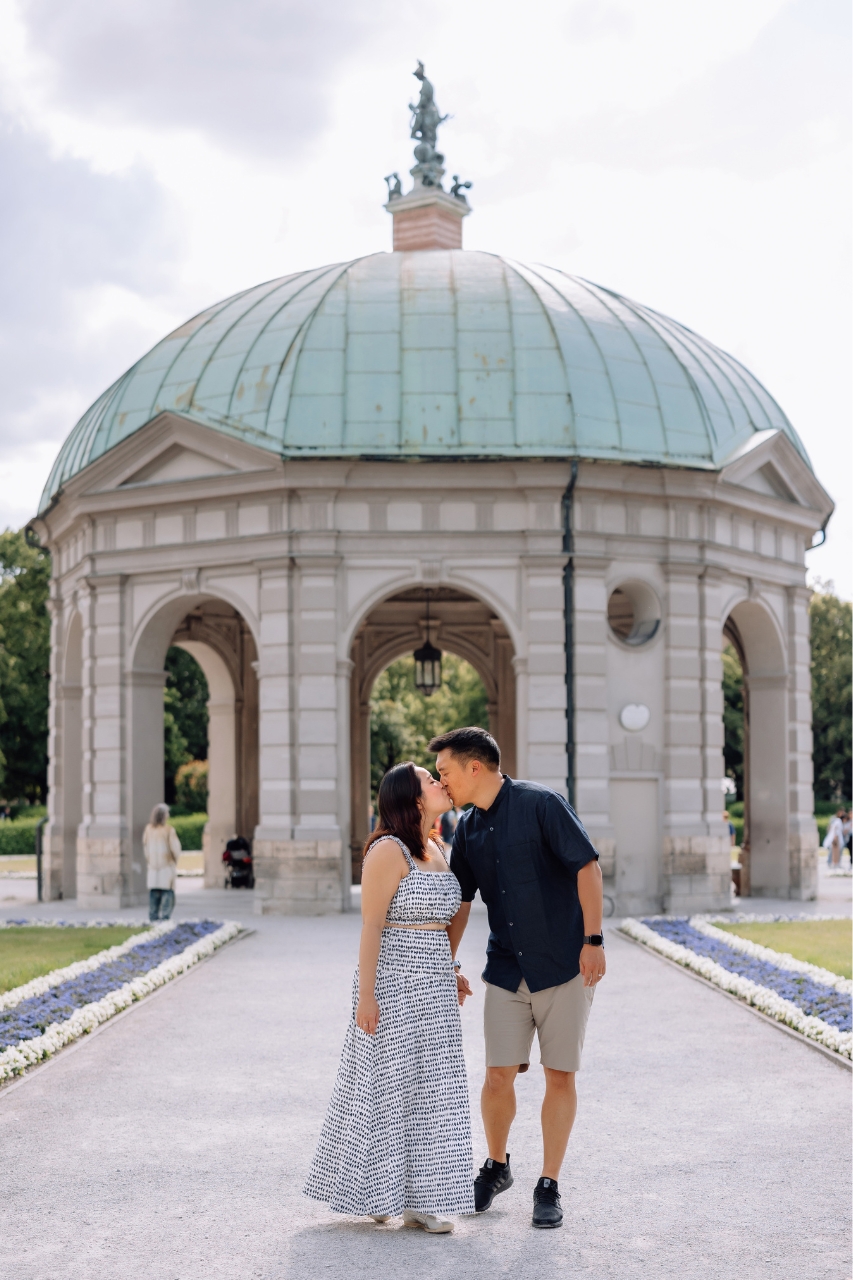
(446, 353)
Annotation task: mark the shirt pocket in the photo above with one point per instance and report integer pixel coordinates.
(521, 861)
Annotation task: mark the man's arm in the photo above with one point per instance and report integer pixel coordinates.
(457, 927)
(591, 896)
(468, 884)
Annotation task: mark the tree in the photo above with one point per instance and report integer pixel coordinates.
(733, 717)
(184, 715)
(402, 720)
(24, 667)
(831, 693)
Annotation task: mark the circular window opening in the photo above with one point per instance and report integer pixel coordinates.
(633, 613)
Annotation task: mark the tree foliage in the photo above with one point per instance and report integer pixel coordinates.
(24, 668)
(184, 715)
(402, 720)
(733, 716)
(831, 694)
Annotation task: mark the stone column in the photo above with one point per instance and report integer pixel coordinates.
(298, 842)
(802, 828)
(592, 769)
(53, 840)
(542, 730)
(104, 868)
(696, 858)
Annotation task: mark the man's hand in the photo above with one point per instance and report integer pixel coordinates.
(463, 987)
(593, 965)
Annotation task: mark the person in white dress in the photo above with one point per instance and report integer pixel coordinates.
(162, 849)
(833, 841)
(397, 1135)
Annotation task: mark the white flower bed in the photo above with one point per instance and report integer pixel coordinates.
(16, 1059)
(759, 997)
(782, 960)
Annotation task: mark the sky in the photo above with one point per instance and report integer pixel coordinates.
(158, 155)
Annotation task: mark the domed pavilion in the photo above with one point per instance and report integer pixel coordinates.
(586, 500)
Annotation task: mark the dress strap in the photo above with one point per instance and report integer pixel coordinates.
(406, 854)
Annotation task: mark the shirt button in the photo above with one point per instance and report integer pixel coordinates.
(503, 890)
(491, 828)
(521, 953)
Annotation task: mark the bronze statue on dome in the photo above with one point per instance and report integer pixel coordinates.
(426, 118)
(425, 114)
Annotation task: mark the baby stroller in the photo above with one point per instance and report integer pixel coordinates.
(239, 871)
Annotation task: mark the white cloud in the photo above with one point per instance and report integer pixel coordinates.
(694, 157)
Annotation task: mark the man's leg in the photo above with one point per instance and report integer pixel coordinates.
(497, 1103)
(559, 1108)
(153, 903)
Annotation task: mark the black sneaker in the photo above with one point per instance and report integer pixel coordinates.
(492, 1179)
(546, 1204)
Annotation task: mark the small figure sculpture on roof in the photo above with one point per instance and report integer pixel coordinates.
(458, 188)
(395, 189)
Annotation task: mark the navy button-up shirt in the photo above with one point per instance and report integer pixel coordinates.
(524, 855)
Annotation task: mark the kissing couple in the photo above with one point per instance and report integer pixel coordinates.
(396, 1140)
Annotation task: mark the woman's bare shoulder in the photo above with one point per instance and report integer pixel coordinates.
(385, 853)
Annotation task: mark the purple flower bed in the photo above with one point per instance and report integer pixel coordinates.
(31, 1017)
(812, 997)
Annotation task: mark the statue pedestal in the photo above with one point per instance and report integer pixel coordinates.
(427, 218)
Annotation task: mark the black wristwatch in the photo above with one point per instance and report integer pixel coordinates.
(594, 940)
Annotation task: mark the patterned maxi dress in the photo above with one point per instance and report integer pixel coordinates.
(397, 1134)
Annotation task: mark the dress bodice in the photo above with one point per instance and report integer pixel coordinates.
(423, 897)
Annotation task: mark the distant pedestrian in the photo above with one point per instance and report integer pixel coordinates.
(847, 834)
(162, 849)
(732, 828)
(448, 825)
(833, 841)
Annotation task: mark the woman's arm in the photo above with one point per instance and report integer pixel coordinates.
(380, 880)
(174, 844)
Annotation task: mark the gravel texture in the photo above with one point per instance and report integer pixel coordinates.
(172, 1145)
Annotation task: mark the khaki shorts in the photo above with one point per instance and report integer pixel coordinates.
(559, 1014)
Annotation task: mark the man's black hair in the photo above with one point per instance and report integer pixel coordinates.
(472, 743)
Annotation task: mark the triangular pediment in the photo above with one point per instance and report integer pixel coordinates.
(178, 463)
(172, 451)
(769, 464)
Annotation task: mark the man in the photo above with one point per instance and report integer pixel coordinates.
(525, 849)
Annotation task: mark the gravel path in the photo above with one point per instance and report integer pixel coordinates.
(172, 1145)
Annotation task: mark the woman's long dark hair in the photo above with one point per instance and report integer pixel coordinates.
(399, 811)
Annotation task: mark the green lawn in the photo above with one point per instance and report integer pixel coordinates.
(827, 943)
(29, 951)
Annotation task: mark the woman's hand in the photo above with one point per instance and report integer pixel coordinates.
(463, 988)
(367, 1014)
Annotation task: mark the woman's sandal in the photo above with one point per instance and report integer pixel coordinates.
(427, 1222)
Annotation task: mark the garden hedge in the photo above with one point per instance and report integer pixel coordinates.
(18, 837)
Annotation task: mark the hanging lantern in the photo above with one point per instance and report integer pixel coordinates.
(427, 663)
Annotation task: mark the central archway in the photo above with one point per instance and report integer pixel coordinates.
(459, 623)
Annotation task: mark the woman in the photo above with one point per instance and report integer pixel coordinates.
(162, 847)
(397, 1135)
(833, 841)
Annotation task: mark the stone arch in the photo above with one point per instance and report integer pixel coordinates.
(754, 633)
(220, 639)
(460, 623)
